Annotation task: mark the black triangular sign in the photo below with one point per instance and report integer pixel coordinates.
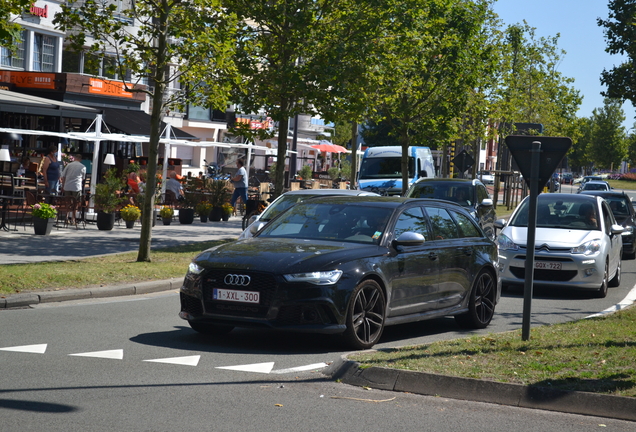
(553, 150)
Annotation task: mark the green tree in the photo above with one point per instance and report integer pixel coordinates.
(9, 29)
(620, 35)
(608, 147)
(193, 34)
(578, 157)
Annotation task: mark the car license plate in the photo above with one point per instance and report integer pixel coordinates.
(547, 265)
(236, 296)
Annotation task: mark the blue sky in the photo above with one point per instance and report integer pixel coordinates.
(580, 37)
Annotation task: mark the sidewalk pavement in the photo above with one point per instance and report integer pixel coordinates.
(22, 246)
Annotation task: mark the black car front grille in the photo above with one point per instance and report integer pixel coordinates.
(545, 275)
(263, 283)
(191, 305)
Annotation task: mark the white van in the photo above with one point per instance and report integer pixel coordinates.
(381, 168)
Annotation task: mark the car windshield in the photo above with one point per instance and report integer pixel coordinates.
(385, 167)
(569, 213)
(282, 204)
(594, 186)
(459, 193)
(340, 222)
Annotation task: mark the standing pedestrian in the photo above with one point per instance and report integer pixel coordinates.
(73, 177)
(51, 171)
(240, 184)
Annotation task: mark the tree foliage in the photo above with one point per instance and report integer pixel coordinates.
(9, 29)
(194, 34)
(608, 147)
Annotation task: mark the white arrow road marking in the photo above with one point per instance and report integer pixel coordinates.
(627, 301)
(314, 366)
(186, 361)
(111, 354)
(36, 349)
(256, 367)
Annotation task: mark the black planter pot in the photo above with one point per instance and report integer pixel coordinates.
(186, 216)
(130, 224)
(225, 216)
(43, 226)
(204, 218)
(105, 221)
(216, 214)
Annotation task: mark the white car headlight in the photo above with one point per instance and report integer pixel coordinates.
(317, 278)
(195, 269)
(588, 248)
(505, 243)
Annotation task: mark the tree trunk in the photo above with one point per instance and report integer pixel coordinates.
(159, 79)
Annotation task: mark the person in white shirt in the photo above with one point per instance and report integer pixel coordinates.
(73, 177)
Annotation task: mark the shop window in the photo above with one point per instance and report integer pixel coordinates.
(44, 53)
(14, 59)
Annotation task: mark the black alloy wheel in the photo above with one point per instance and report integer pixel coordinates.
(210, 329)
(481, 306)
(365, 315)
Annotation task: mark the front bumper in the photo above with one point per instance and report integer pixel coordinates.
(294, 307)
(577, 271)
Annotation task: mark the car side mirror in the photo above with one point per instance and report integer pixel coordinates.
(256, 227)
(500, 223)
(487, 202)
(409, 238)
(616, 229)
(253, 219)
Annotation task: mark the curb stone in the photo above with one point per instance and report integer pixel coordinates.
(522, 396)
(29, 299)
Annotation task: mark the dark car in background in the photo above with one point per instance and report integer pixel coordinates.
(349, 266)
(475, 198)
(622, 208)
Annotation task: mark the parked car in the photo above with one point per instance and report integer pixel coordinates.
(622, 208)
(578, 244)
(585, 179)
(594, 185)
(477, 200)
(349, 266)
(486, 177)
(286, 200)
(567, 178)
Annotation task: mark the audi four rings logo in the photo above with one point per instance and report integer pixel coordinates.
(239, 280)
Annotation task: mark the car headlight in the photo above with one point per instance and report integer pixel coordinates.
(505, 243)
(193, 268)
(588, 248)
(317, 278)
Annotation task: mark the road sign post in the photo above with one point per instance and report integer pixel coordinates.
(545, 155)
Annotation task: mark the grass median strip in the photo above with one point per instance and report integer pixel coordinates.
(108, 270)
(592, 355)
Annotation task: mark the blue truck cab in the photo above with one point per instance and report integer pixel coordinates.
(381, 168)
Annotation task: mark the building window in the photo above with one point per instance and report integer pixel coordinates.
(43, 53)
(198, 112)
(16, 59)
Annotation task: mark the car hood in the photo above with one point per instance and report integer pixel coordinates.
(284, 255)
(554, 237)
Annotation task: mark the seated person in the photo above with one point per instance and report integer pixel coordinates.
(174, 185)
(461, 196)
(133, 182)
(588, 215)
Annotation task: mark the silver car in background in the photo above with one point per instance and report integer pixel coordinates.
(578, 244)
(288, 199)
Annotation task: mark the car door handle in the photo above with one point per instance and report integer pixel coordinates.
(432, 256)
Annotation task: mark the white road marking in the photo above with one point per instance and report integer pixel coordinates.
(314, 366)
(256, 367)
(186, 361)
(36, 349)
(111, 354)
(627, 301)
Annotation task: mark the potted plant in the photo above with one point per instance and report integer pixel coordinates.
(189, 202)
(227, 211)
(203, 209)
(43, 218)
(219, 195)
(107, 199)
(130, 214)
(166, 214)
(305, 174)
